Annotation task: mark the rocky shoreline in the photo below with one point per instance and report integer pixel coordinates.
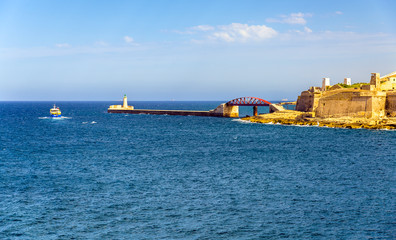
(290, 117)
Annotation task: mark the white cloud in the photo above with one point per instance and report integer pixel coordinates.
(339, 13)
(293, 18)
(203, 28)
(238, 32)
(128, 39)
(307, 30)
(62, 45)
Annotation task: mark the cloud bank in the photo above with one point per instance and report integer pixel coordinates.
(235, 32)
(293, 18)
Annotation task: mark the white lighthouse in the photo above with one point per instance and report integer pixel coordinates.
(125, 102)
(123, 106)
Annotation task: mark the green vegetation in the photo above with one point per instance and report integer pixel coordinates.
(355, 85)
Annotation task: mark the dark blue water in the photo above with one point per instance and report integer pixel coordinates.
(96, 175)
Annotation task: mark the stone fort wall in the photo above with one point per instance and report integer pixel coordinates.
(341, 103)
(348, 103)
(376, 100)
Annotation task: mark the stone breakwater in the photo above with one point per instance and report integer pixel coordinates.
(289, 117)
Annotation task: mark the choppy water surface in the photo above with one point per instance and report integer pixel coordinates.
(95, 175)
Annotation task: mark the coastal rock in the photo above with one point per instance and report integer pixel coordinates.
(289, 117)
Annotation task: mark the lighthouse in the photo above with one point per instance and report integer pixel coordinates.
(125, 102)
(123, 106)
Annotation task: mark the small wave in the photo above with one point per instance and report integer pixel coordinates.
(271, 123)
(386, 129)
(306, 125)
(291, 125)
(93, 122)
(296, 125)
(242, 121)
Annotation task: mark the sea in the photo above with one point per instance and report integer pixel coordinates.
(96, 175)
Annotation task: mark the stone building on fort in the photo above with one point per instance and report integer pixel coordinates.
(376, 99)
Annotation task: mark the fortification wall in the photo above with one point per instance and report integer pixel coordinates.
(353, 103)
(376, 100)
(390, 105)
(307, 101)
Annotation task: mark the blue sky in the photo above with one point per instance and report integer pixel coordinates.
(189, 50)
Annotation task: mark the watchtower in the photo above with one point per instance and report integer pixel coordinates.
(325, 83)
(347, 81)
(375, 81)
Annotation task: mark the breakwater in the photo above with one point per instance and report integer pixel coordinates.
(223, 110)
(228, 110)
(167, 112)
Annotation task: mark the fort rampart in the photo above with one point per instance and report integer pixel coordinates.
(374, 100)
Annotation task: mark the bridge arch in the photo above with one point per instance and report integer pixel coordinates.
(249, 101)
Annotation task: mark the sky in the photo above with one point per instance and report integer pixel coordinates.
(165, 50)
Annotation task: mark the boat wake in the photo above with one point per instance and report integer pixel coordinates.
(55, 118)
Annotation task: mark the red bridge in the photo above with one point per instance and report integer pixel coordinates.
(249, 101)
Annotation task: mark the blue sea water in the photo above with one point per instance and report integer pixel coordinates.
(95, 175)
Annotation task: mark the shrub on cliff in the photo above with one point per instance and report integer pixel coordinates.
(355, 85)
